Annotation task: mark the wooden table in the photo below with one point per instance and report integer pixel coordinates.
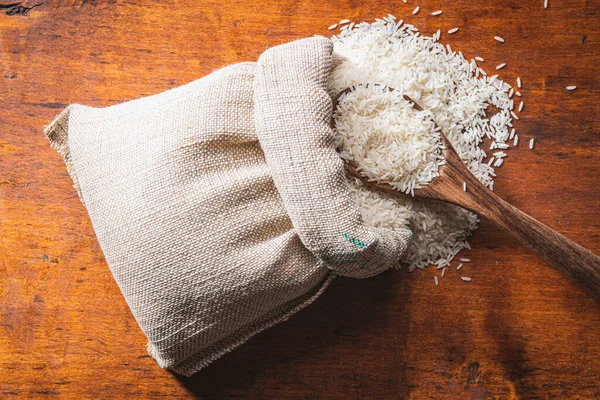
(518, 330)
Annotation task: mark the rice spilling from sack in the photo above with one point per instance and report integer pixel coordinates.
(456, 93)
(386, 138)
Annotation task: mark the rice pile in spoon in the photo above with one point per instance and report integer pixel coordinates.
(387, 138)
(455, 92)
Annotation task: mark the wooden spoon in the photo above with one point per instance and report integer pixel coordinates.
(563, 254)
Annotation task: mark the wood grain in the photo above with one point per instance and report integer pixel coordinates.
(518, 330)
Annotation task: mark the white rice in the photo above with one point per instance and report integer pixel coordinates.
(465, 278)
(531, 143)
(435, 279)
(464, 259)
(518, 93)
(545, 3)
(344, 21)
(438, 12)
(416, 10)
(571, 87)
(501, 66)
(380, 132)
(459, 266)
(457, 93)
(479, 59)
(521, 107)
(332, 27)
(444, 272)
(453, 30)
(499, 39)
(519, 82)
(516, 141)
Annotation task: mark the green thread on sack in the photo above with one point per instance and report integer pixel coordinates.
(354, 241)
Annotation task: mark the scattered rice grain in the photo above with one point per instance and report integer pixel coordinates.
(453, 30)
(467, 106)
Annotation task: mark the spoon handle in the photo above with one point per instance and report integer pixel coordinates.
(563, 254)
(457, 185)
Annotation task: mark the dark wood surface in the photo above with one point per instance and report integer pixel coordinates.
(518, 330)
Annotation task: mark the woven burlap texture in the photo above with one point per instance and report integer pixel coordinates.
(222, 206)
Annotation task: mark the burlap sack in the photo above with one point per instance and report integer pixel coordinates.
(221, 206)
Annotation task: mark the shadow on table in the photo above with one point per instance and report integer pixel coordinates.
(312, 346)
